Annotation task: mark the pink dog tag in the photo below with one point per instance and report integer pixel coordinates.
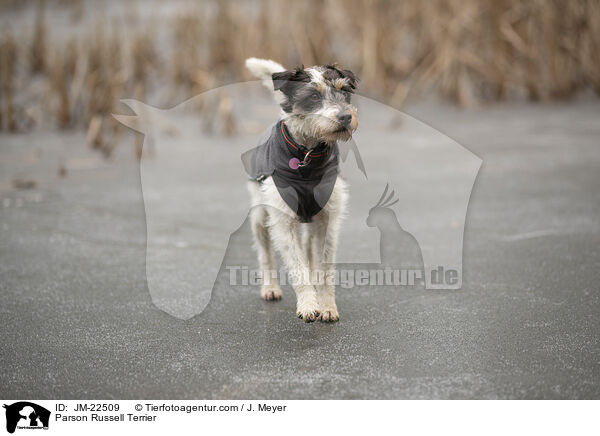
(294, 163)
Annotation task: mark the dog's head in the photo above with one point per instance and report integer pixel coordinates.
(317, 101)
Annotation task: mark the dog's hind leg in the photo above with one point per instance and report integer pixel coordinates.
(286, 238)
(307, 242)
(270, 289)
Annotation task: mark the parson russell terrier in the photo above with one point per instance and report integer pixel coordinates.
(298, 197)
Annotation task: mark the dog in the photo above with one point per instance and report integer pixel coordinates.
(298, 199)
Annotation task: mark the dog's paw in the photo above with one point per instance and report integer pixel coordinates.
(271, 293)
(308, 315)
(308, 312)
(307, 307)
(329, 315)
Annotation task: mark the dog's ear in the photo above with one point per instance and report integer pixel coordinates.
(288, 81)
(333, 72)
(280, 79)
(352, 78)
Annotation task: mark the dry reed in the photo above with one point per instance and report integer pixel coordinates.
(467, 50)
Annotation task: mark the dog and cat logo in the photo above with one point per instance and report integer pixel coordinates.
(26, 415)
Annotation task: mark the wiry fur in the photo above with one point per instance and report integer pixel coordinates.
(310, 127)
(304, 247)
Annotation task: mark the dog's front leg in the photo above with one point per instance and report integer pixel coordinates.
(324, 246)
(285, 236)
(327, 224)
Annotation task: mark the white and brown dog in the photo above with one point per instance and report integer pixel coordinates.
(298, 198)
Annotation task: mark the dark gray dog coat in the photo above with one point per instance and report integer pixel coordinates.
(304, 178)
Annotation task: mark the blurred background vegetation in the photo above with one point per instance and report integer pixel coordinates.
(66, 63)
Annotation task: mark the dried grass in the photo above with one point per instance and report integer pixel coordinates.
(8, 61)
(467, 50)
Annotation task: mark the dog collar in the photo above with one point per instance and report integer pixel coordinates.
(306, 154)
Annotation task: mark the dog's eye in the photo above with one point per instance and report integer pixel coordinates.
(315, 96)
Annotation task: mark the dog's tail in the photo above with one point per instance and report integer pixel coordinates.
(263, 69)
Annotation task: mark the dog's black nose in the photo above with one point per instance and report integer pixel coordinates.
(344, 118)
